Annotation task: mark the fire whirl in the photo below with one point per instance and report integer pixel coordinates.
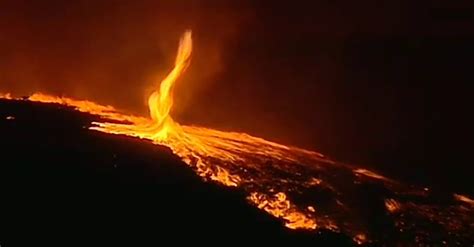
(303, 188)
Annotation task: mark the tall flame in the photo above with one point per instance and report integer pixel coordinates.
(161, 101)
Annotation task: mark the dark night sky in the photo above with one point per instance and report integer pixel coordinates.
(379, 84)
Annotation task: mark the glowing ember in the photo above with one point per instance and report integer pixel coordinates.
(392, 205)
(360, 238)
(370, 174)
(464, 198)
(276, 178)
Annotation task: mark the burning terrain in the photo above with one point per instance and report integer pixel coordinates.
(302, 188)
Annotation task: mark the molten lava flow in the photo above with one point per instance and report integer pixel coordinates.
(302, 188)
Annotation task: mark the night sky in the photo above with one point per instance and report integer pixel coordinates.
(379, 84)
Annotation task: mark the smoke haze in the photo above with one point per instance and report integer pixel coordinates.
(356, 81)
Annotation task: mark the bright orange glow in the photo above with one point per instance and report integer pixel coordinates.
(371, 174)
(229, 158)
(391, 205)
(5, 96)
(360, 238)
(272, 175)
(465, 199)
(279, 206)
(199, 146)
(86, 106)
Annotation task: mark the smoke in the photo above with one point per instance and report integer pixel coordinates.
(110, 53)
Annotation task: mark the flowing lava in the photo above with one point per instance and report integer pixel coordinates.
(303, 188)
